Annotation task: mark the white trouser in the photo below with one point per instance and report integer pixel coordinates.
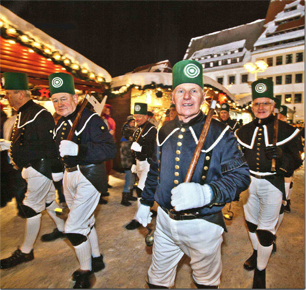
(82, 199)
(40, 189)
(198, 239)
(142, 169)
(263, 204)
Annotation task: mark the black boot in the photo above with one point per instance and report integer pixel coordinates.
(102, 200)
(152, 286)
(97, 265)
(84, 280)
(125, 200)
(259, 281)
(251, 263)
(201, 286)
(17, 258)
(287, 206)
(131, 197)
(56, 234)
(133, 225)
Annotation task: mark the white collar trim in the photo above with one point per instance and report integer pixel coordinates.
(30, 121)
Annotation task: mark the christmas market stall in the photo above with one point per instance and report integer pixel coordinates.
(26, 49)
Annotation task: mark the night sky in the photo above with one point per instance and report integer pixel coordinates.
(122, 35)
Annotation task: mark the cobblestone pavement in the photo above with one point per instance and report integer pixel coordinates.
(127, 257)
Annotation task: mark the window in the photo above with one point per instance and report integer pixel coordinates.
(270, 61)
(207, 65)
(298, 78)
(211, 64)
(270, 78)
(288, 79)
(219, 62)
(279, 97)
(244, 78)
(279, 60)
(297, 98)
(229, 61)
(220, 80)
(288, 99)
(278, 80)
(299, 57)
(289, 58)
(231, 80)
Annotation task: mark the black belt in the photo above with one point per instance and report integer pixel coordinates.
(179, 216)
(35, 161)
(75, 168)
(262, 176)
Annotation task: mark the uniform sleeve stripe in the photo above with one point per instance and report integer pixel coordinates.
(252, 142)
(77, 133)
(148, 131)
(30, 121)
(294, 134)
(161, 144)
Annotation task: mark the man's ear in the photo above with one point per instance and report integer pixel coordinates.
(75, 98)
(204, 97)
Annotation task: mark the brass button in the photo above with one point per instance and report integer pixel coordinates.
(102, 127)
(65, 124)
(257, 168)
(205, 167)
(176, 181)
(23, 128)
(177, 159)
(50, 131)
(207, 157)
(258, 149)
(260, 129)
(258, 144)
(159, 152)
(20, 144)
(258, 153)
(257, 163)
(176, 174)
(158, 161)
(64, 128)
(203, 177)
(176, 167)
(259, 134)
(179, 143)
(180, 136)
(257, 158)
(63, 133)
(62, 138)
(178, 152)
(183, 129)
(259, 139)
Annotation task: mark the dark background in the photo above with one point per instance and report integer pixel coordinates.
(122, 35)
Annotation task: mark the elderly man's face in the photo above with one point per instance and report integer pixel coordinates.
(64, 103)
(262, 107)
(224, 115)
(140, 119)
(13, 97)
(188, 99)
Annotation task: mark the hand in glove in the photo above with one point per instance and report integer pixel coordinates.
(68, 148)
(190, 195)
(136, 147)
(273, 152)
(133, 168)
(4, 144)
(57, 176)
(144, 216)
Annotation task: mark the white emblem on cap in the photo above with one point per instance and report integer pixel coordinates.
(281, 109)
(260, 88)
(191, 70)
(223, 106)
(137, 108)
(57, 82)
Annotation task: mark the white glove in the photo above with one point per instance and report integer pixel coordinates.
(190, 195)
(24, 172)
(68, 148)
(4, 144)
(57, 176)
(144, 216)
(133, 168)
(136, 147)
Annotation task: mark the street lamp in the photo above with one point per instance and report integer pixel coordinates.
(259, 66)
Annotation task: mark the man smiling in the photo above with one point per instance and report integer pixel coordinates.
(196, 228)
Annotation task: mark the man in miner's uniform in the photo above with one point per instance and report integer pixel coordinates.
(266, 191)
(32, 149)
(226, 119)
(143, 148)
(84, 177)
(197, 225)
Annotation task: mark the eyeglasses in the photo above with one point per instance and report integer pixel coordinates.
(264, 104)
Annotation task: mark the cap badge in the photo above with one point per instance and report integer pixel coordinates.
(191, 70)
(223, 106)
(137, 108)
(57, 82)
(260, 88)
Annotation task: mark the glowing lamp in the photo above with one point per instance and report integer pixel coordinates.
(75, 66)
(24, 38)
(84, 71)
(11, 31)
(92, 75)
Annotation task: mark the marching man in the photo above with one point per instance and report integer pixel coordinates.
(196, 226)
(85, 174)
(226, 119)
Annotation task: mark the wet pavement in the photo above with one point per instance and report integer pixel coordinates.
(128, 258)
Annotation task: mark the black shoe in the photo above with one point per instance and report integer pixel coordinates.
(133, 225)
(97, 265)
(17, 258)
(105, 193)
(259, 281)
(287, 206)
(109, 186)
(274, 247)
(154, 212)
(125, 200)
(84, 279)
(102, 201)
(56, 234)
(251, 263)
(131, 197)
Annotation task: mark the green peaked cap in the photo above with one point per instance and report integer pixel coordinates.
(15, 81)
(283, 110)
(61, 83)
(262, 88)
(187, 71)
(225, 107)
(140, 108)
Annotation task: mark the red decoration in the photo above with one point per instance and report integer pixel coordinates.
(44, 93)
(222, 98)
